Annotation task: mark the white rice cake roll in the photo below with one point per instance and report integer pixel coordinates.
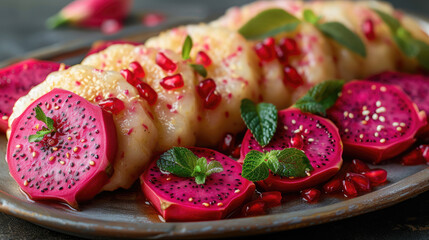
(234, 69)
(175, 111)
(134, 126)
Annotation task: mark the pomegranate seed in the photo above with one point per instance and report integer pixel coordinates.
(349, 188)
(264, 52)
(376, 176)
(281, 55)
(254, 208)
(424, 148)
(289, 46)
(358, 166)
(360, 181)
(137, 69)
(165, 63)
(212, 100)
(236, 152)
(206, 87)
(147, 92)
(113, 105)
(297, 141)
(203, 59)
(414, 157)
(272, 199)
(227, 144)
(292, 77)
(130, 77)
(332, 186)
(270, 43)
(368, 29)
(172, 82)
(310, 195)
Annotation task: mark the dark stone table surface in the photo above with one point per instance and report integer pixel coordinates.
(22, 30)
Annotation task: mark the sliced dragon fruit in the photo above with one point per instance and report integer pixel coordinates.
(416, 86)
(316, 136)
(71, 163)
(376, 121)
(181, 199)
(17, 79)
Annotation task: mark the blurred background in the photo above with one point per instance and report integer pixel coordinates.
(22, 22)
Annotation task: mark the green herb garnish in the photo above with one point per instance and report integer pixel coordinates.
(183, 162)
(260, 119)
(40, 115)
(320, 97)
(200, 69)
(409, 45)
(268, 23)
(187, 47)
(289, 162)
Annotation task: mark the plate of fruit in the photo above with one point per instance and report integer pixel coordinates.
(277, 115)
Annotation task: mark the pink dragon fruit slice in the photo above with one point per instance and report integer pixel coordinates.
(181, 199)
(316, 136)
(72, 163)
(416, 86)
(17, 80)
(376, 121)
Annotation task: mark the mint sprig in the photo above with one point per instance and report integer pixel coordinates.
(338, 32)
(260, 119)
(268, 23)
(186, 52)
(183, 162)
(289, 162)
(40, 115)
(320, 97)
(410, 46)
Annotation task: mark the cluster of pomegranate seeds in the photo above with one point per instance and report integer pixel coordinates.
(368, 29)
(165, 63)
(203, 59)
(417, 156)
(310, 195)
(261, 205)
(113, 105)
(206, 89)
(172, 82)
(134, 76)
(267, 51)
(359, 180)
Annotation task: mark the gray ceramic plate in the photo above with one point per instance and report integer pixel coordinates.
(126, 214)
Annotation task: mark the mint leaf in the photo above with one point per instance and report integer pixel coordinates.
(183, 162)
(200, 69)
(261, 119)
(254, 166)
(268, 23)
(320, 97)
(292, 163)
(341, 34)
(38, 136)
(410, 46)
(310, 16)
(391, 22)
(187, 47)
(179, 161)
(289, 162)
